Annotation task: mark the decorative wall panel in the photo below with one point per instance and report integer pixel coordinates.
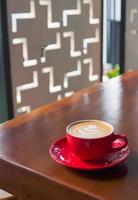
(131, 39)
(54, 49)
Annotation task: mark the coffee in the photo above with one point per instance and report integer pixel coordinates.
(90, 129)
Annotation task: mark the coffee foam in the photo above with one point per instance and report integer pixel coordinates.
(90, 129)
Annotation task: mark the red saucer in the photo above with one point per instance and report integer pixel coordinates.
(60, 153)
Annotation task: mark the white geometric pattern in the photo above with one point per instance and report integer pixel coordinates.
(50, 47)
(52, 88)
(87, 41)
(50, 22)
(92, 77)
(65, 39)
(66, 13)
(27, 86)
(26, 62)
(16, 16)
(72, 74)
(92, 20)
(73, 53)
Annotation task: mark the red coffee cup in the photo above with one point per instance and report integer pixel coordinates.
(97, 147)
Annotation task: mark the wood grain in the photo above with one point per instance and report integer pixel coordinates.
(28, 172)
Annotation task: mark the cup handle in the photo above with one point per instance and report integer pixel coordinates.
(120, 141)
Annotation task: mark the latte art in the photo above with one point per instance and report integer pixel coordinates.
(90, 129)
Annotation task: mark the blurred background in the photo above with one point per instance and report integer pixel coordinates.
(51, 49)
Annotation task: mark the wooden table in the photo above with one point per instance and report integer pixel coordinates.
(27, 170)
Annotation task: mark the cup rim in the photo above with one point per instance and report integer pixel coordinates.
(79, 121)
